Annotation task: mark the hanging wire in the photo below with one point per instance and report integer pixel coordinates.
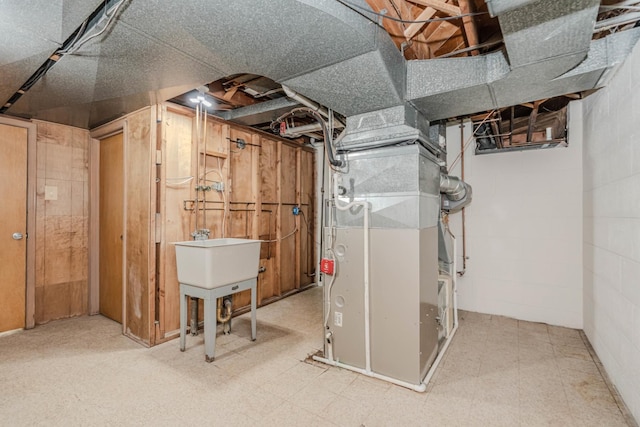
(466, 144)
(80, 41)
(183, 181)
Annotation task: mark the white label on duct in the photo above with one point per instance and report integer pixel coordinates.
(337, 318)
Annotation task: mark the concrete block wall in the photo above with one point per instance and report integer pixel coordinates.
(612, 228)
(524, 231)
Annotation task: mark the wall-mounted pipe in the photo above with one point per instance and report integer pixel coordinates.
(310, 104)
(327, 135)
(464, 219)
(294, 132)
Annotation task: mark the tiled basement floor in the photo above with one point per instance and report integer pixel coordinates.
(498, 371)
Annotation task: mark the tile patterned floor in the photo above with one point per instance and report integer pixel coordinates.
(497, 372)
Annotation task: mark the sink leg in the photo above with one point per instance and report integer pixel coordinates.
(209, 328)
(183, 319)
(253, 311)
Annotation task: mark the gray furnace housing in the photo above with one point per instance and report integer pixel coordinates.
(402, 186)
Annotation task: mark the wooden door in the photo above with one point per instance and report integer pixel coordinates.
(13, 219)
(111, 226)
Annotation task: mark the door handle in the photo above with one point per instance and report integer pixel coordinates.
(17, 236)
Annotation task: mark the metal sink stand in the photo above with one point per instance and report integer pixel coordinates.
(210, 322)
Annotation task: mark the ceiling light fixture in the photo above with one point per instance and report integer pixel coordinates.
(200, 99)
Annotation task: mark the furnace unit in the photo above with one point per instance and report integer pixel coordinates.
(387, 314)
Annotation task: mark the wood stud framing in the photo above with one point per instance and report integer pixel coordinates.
(263, 181)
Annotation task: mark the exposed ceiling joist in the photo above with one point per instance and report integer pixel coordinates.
(440, 36)
(442, 6)
(414, 28)
(470, 29)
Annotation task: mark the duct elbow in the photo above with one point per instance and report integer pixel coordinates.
(456, 193)
(452, 187)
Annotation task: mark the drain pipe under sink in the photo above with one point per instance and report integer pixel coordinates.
(227, 308)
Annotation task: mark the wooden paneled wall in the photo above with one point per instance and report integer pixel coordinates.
(139, 236)
(263, 181)
(61, 222)
(140, 200)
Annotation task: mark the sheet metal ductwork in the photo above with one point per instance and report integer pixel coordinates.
(456, 193)
(320, 49)
(157, 50)
(549, 52)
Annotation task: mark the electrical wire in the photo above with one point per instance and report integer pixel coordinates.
(184, 181)
(295, 230)
(74, 47)
(466, 144)
(79, 34)
(354, 6)
(471, 48)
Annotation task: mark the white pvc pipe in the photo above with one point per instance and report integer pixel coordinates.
(310, 104)
(365, 225)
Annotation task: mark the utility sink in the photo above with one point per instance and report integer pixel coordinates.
(214, 263)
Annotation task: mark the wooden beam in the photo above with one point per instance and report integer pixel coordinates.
(402, 10)
(455, 43)
(414, 28)
(440, 36)
(532, 119)
(230, 93)
(470, 28)
(440, 5)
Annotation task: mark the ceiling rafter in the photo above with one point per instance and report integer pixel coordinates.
(413, 49)
(470, 29)
(440, 5)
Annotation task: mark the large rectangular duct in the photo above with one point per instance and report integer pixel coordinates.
(388, 126)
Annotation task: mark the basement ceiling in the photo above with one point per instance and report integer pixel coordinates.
(444, 58)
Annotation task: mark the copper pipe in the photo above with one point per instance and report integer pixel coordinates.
(464, 233)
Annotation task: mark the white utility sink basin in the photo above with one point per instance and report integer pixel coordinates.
(213, 263)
